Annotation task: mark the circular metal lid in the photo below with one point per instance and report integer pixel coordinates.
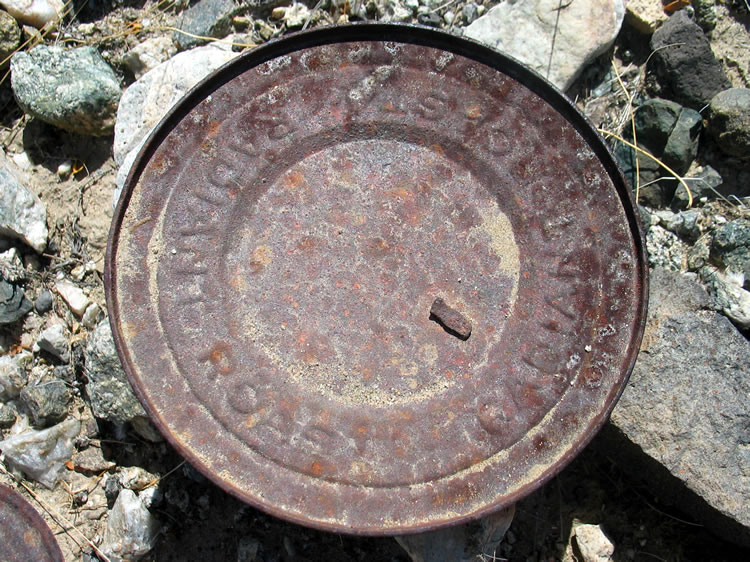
(24, 535)
(376, 279)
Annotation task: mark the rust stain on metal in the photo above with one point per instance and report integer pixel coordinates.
(24, 535)
(451, 319)
(268, 296)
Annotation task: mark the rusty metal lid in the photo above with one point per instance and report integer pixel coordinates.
(24, 535)
(376, 279)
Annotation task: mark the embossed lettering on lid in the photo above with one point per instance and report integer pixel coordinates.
(354, 275)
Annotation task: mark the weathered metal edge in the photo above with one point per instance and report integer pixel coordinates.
(410, 34)
(35, 519)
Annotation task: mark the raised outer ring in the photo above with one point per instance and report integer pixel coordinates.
(411, 35)
(32, 519)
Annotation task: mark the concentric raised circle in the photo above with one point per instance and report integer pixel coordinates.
(285, 234)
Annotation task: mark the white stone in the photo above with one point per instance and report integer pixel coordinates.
(73, 295)
(37, 13)
(131, 529)
(296, 16)
(91, 316)
(22, 214)
(593, 544)
(11, 266)
(148, 99)
(524, 29)
(149, 54)
(40, 455)
(55, 340)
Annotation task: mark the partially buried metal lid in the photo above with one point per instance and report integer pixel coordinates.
(376, 279)
(24, 536)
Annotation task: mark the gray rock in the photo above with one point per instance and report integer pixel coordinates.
(13, 303)
(7, 415)
(670, 132)
(11, 266)
(681, 423)
(472, 541)
(730, 247)
(729, 121)
(525, 29)
(47, 402)
(688, 225)
(10, 37)
(22, 214)
(705, 13)
(73, 89)
(205, 18)
(56, 341)
(470, 13)
(702, 186)
(131, 529)
(684, 63)
(430, 19)
(109, 392)
(12, 375)
(247, 549)
(728, 296)
(665, 249)
(40, 455)
(43, 302)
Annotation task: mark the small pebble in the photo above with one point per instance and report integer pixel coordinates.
(64, 170)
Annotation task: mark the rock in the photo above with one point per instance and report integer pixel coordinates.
(395, 11)
(73, 295)
(11, 266)
(91, 461)
(665, 249)
(13, 303)
(730, 247)
(684, 63)
(131, 529)
(702, 186)
(149, 54)
(468, 542)
(728, 296)
(645, 16)
(108, 389)
(296, 15)
(247, 550)
(40, 455)
(681, 423)
(430, 19)
(135, 478)
(22, 214)
(671, 133)
(205, 18)
(91, 316)
(588, 543)
(146, 101)
(525, 29)
(47, 402)
(74, 89)
(56, 341)
(729, 121)
(43, 302)
(7, 416)
(10, 37)
(688, 225)
(705, 13)
(470, 13)
(12, 375)
(37, 13)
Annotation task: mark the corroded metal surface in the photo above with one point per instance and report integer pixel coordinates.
(24, 535)
(276, 257)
